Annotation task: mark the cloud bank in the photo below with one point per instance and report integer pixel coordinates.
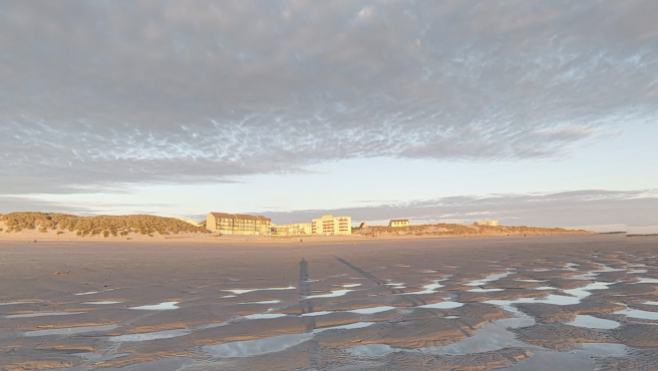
(600, 210)
(108, 92)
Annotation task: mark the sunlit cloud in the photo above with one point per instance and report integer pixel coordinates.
(107, 93)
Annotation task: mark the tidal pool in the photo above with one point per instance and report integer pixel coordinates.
(351, 326)
(250, 347)
(571, 266)
(372, 310)
(489, 278)
(396, 286)
(264, 316)
(332, 294)
(272, 344)
(490, 337)
(102, 302)
(593, 322)
(485, 290)
(167, 334)
(244, 291)
(636, 313)
(69, 330)
(427, 289)
(86, 293)
(168, 305)
(442, 305)
(42, 314)
(262, 302)
(20, 302)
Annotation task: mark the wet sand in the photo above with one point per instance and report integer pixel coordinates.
(576, 302)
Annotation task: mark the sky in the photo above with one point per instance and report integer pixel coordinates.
(531, 112)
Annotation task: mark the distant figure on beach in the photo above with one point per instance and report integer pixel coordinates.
(300, 240)
(35, 241)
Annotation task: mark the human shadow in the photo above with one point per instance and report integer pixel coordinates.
(304, 291)
(413, 300)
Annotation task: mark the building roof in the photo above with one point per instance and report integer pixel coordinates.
(241, 216)
(399, 220)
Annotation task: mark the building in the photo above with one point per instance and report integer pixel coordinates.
(238, 223)
(292, 229)
(330, 224)
(490, 223)
(399, 223)
(363, 225)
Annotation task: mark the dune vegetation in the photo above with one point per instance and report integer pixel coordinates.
(105, 225)
(464, 230)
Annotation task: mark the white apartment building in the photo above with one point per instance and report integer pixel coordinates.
(329, 225)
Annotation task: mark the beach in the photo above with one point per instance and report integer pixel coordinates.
(518, 303)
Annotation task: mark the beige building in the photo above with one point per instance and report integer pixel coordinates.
(238, 223)
(399, 223)
(490, 223)
(330, 224)
(292, 229)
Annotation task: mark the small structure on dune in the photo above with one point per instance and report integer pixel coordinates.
(489, 223)
(399, 223)
(363, 225)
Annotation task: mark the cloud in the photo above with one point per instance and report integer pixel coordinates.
(596, 209)
(10, 204)
(103, 93)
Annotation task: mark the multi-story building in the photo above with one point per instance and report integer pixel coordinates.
(330, 224)
(399, 223)
(238, 223)
(292, 229)
(490, 223)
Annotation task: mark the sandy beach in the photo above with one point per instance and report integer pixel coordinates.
(408, 304)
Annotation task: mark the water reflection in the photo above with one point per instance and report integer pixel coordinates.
(69, 330)
(167, 334)
(42, 314)
(593, 322)
(491, 337)
(168, 305)
(250, 347)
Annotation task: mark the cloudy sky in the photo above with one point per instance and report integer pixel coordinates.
(528, 111)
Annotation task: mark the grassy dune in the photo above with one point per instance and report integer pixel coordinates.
(464, 230)
(105, 225)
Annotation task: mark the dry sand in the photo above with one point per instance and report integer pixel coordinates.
(575, 302)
